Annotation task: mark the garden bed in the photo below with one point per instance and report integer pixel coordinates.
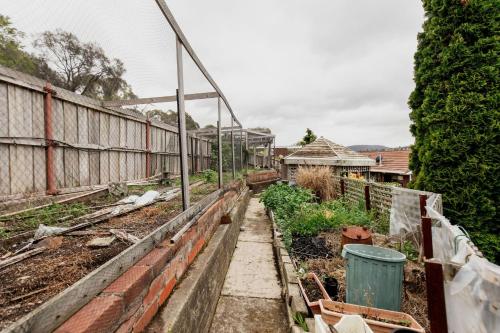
(312, 233)
(26, 285)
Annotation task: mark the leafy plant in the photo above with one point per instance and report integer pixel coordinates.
(209, 176)
(409, 250)
(299, 320)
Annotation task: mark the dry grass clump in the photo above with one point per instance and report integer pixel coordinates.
(318, 179)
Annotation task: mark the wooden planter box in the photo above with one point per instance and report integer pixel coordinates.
(332, 311)
(314, 305)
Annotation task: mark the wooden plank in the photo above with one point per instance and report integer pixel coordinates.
(84, 169)
(114, 166)
(130, 166)
(58, 119)
(4, 169)
(58, 309)
(38, 115)
(161, 99)
(94, 168)
(130, 133)
(21, 169)
(114, 131)
(123, 166)
(104, 167)
(40, 176)
(123, 132)
(103, 129)
(83, 124)
(4, 112)
(93, 124)
(20, 112)
(70, 123)
(71, 168)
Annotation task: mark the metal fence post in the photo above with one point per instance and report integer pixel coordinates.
(232, 148)
(423, 202)
(241, 149)
(436, 303)
(246, 151)
(269, 158)
(342, 187)
(367, 198)
(181, 115)
(219, 143)
(148, 148)
(49, 139)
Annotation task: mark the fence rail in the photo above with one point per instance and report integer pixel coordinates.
(51, 132)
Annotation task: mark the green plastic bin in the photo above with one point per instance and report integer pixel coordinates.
(374, 276)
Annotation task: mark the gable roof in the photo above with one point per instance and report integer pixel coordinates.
(325, 152)
(393, 161)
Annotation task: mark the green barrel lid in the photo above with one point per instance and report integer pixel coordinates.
(373, 252)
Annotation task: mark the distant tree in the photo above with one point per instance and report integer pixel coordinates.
(170, 117)
(13, 55)
(308, 138)
(210, 126)
(83, 67)
(456, 117)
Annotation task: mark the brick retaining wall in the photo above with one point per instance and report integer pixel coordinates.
(131, 301)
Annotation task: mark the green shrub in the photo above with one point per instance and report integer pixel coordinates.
(209, 176)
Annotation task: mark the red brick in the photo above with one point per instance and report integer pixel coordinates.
(167, 290)
(157, 259)
(131, 284)
(196, 249)
(146, 317)
(181, 262)
(154, 289)
(99, 315)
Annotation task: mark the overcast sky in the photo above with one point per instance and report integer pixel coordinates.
(342, 68)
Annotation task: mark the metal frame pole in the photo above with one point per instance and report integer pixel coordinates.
(254, 157)
(219, 143)
(232, 148)
(181, 115)
(246, 150)
(49, 137)
(241, 149)
(270, 161)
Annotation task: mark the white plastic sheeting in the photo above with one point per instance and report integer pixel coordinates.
(347, 324)
(405, 211)
(472, 296)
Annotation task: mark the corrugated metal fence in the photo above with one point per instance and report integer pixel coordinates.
(89, 144)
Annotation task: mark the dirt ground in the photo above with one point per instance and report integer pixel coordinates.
(414, 301)
(26, 285)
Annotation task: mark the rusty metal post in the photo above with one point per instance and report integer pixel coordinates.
(148, 148)
(367, 198)
(427, 237)
(423, 202)
(342, 187)
(436, 304)
(49, 139)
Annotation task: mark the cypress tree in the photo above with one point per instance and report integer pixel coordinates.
(455, 115)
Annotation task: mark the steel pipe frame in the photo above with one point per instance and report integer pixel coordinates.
(219, 143)
(181, 115)
(183, 40)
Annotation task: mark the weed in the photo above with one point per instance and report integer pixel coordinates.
(409, 250)
(318, 179)
(299, 320)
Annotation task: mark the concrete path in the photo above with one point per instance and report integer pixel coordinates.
(250, 300)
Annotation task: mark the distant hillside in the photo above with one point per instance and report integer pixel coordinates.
(367, 147)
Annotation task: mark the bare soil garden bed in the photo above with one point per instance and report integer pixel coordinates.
(27, 284)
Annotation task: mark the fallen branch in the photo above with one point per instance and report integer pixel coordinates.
(21, 257)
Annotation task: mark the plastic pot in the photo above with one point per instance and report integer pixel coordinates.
(314, 304)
